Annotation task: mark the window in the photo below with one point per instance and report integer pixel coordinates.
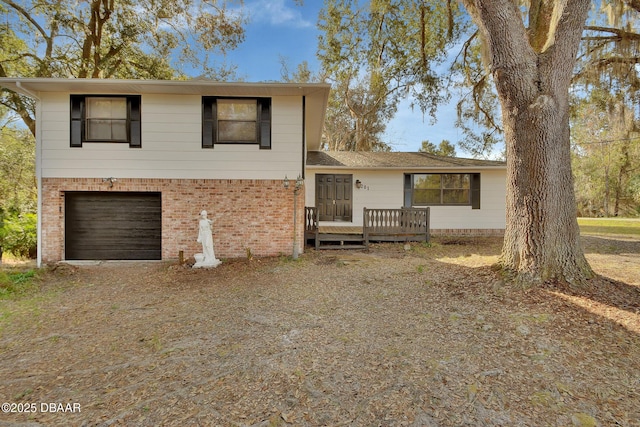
(429, 189)
(236, 121)
(105, 119)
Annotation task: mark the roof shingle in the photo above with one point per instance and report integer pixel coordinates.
(381, 160)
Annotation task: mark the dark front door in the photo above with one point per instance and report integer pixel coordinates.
(113, 226)
(333, 197)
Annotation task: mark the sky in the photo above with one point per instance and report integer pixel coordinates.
(281, 29)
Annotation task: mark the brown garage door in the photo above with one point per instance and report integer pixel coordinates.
(113, 226)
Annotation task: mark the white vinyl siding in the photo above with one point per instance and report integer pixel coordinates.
(385, 189)
(171, 144)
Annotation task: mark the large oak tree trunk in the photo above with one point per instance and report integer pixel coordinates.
(532, 69)
(542, 238)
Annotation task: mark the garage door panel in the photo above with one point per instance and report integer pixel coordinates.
(107, 254)
(113, 226)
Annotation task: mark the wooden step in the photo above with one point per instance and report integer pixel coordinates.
(340, 238)
(338, 247)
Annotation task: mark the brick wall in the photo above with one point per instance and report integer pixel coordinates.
(479, 232)
(254, 215)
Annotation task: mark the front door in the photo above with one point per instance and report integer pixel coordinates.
(333, 197)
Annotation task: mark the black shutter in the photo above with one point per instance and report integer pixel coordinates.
(408, 187)
(208, 121)
(77, 104)
(135, 129)
(264, 122)
(475, 191)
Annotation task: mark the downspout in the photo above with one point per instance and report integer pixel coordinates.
(304, 136)
(38, 153)
(304, 173)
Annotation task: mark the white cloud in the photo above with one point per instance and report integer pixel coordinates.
(278, 12)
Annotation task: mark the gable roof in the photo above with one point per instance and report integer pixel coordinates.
(394, 160)
(316, 94)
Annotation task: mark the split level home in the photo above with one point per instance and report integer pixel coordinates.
(124, 168)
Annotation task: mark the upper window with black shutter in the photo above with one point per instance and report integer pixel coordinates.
(236, 121)
(96, 118)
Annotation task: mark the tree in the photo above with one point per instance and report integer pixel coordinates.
(607, 84)
(377, 53)
(428, 147)
(532, 69)
(139, 39)
(18, 191)
(302, 74)
(357, 117)
(607, 59)
(18, 234)
(606, 154)
(478, 103)
(609, 52)
(444, 149)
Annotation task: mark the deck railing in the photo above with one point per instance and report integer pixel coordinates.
(311, 227)
(385, 225)
(396, 225)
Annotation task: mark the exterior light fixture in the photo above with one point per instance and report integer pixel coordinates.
(358, 183)
(110, 180)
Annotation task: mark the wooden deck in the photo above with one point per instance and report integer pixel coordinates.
(390, 225)
(339, 237)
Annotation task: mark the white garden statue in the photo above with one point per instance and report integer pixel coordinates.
(205, 236)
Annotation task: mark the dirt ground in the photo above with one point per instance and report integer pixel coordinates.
(420, 336)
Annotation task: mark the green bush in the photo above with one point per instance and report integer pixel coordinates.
(18, 235)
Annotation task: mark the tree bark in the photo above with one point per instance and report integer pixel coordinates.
(542, 238)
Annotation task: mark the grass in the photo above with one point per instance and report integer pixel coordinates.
(617, 226)
(17, 283)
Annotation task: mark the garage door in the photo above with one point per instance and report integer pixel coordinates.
(113, 226)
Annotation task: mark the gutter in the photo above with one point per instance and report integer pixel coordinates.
(24, 91)
(403, 168)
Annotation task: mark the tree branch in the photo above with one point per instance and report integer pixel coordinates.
(633, 4)
(27, 16)
(619, 32)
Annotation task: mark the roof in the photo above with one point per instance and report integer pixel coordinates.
(188, 87)
(316, 94)
(394, 160)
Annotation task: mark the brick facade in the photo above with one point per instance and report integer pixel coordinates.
(248, 215)
(472, 232)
